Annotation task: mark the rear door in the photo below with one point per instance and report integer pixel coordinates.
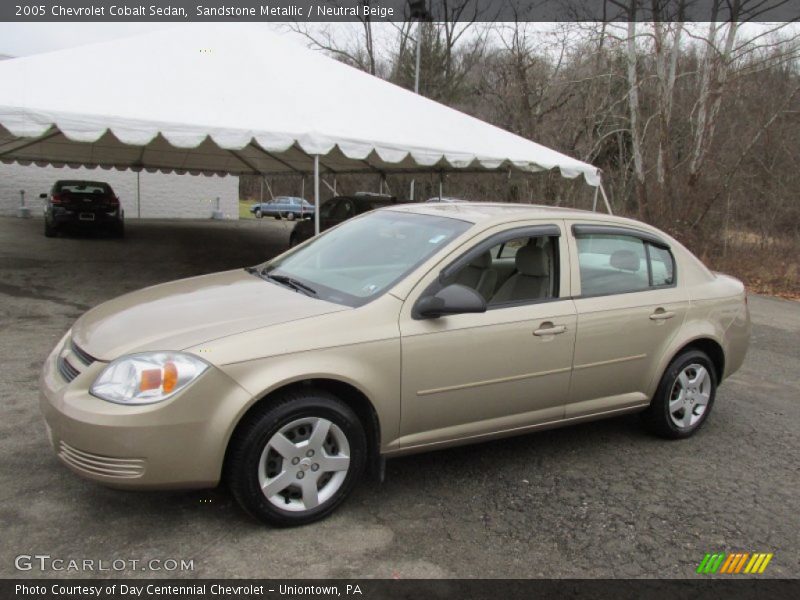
(630, 305)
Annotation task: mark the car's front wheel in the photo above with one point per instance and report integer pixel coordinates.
(258, 214)
(295, 459)
(684, 396)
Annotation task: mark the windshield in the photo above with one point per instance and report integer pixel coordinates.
(357, 261)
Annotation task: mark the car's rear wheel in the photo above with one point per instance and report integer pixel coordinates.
(294, 460)
(290, 216)
(258, 214)
(118, 229)
(684, 396)
(50, 229)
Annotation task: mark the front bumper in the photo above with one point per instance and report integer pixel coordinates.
(175, 444)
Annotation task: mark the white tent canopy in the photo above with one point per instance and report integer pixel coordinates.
(238, 98)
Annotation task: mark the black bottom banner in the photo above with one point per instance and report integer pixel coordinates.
(410, 589)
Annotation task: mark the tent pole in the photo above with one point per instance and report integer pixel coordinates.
(441, 184)
(138, 194)
(605, 198)
(594, 202)
(417, 59)
(316, 194)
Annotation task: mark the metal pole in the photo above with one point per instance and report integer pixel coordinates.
(138, 194)
(594, 202)
(316, 194)
(261, 193)
(416, 70)
(441, 184)
(605, 199)
(411, 190)
(24, 212)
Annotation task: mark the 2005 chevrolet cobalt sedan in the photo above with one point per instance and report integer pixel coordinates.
(409, 328)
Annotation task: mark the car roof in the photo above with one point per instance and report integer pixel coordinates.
(491, 213)
(79, 182)
(364, 198)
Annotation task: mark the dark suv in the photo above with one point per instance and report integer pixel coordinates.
(339, 209)
(88, 204)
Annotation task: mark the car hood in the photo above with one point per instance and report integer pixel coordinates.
(188, 312)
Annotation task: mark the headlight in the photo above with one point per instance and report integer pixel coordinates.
(147, 378)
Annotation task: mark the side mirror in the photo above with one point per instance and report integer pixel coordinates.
(43, 196)
(453, 299)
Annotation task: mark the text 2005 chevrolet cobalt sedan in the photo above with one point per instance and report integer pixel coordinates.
(406, 329)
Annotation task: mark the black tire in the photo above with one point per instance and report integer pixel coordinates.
(258, 214)
(50, 230)
(292, 240)
(254, 433)
(658, 417)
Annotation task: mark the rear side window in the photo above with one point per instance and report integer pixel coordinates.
(616, 264)
(662, 267)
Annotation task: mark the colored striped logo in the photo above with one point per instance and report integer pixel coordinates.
(734, 563)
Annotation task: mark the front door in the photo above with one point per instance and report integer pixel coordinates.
(468, 375)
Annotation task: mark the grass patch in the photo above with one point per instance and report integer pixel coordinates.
(244, 209)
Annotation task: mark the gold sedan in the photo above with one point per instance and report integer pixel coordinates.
(406, 329)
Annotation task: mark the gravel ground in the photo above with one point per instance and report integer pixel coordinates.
(598, 500)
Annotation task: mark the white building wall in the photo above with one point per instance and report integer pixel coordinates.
(162, 196)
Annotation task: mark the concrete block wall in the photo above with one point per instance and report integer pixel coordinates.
(162, 196)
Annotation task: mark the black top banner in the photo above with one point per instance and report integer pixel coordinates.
(317, 11)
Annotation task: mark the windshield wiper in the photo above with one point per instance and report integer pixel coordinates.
(292, 283)
(284, 280)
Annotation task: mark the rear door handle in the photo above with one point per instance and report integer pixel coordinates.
(550, 329)
(662, 315)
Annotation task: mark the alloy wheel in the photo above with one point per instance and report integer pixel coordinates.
(690, 395)
(304, 464)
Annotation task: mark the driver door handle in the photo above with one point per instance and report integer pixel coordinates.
(661, 315)
(548, 328)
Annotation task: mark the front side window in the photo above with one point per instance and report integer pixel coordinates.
(616, 264)
(362, 258)
(326, 209)
(513, 271)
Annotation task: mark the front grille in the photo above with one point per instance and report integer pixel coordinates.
(95, 464)
(68, 372)
(85, 358)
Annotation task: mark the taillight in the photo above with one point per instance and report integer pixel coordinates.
(113, 201)
(56, 199)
